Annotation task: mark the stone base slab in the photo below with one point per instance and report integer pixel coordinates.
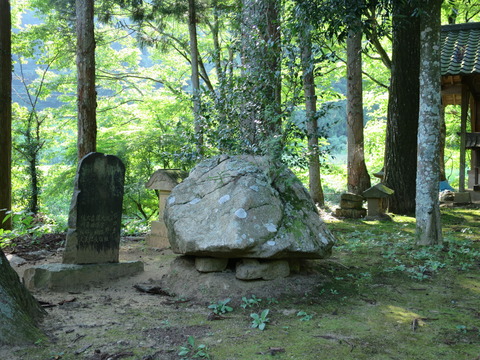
(73, 277)
(351, 213)
(461, 198)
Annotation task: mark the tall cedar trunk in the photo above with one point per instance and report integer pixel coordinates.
(402, 122)
(358, 178)
(427, 214)
(19, 311)
(86, 94)
(260, 121)
(192, 29)
(308, 66)
(5, 114)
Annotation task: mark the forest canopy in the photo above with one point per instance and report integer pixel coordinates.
(250, 95)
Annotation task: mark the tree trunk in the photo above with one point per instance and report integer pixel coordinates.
(5, 114)
(260, 121)
(19, 311)
(402, 122)
(308, 66)
(192, 29)
(86, 93)
(358, 178)
(427, 214)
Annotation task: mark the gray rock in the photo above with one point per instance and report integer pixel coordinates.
(245, 207)
(209, 264)
(15, 260)
(253, 269)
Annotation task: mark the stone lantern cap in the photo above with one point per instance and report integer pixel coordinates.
(377, 191)
(166, 179)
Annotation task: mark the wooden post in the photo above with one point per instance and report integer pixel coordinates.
(463, 130)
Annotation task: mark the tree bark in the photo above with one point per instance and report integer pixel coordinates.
(402, 122)
(19, 311)
(192, 29)
(5, 114)
(427, 214)
(261, 122)
(358, 179)
(86, 93)
(308, 66)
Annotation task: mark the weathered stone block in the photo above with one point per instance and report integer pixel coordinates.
(253, 269)
(158, 237)
(209, 264)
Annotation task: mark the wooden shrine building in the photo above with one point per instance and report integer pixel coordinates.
(460, 62)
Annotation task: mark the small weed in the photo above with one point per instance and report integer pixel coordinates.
(221, 306)
(260, 321)
(304, 316)
(253, 301)
(462, 329)
(192, 351)
(272, 301)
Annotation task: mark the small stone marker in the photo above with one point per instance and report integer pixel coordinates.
(163, 180)
(375, 196)
(94, 221)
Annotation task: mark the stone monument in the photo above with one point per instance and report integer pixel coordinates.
(162, 181)
(94, 221)
(93, 240)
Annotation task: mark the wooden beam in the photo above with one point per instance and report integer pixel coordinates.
(463, 130)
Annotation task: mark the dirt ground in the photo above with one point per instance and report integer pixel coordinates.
(149, 314)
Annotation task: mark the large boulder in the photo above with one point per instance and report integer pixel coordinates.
(245, 207)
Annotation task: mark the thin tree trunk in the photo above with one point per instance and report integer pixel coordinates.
(358, 178)
(19, 311)
(192, 29)
(5, 114)
(402, 122)
(308, 66)
(428, 224)
(86, 93)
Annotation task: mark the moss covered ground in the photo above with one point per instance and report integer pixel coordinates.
(383, 298)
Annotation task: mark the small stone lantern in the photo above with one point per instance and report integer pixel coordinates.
(163, 180)
(375, 197)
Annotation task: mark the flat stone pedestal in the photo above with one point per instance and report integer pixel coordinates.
(73, 277)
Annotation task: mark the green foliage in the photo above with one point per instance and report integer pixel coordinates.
(250, 302)
(304, 316)
(24, 224)
(221, 306)
(193, 351)
(260, 320)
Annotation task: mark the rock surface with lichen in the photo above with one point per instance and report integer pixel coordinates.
(245, 207)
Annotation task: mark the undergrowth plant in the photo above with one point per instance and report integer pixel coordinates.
(192, 351)
(221, 306)
(260, 320)
(250, 302)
